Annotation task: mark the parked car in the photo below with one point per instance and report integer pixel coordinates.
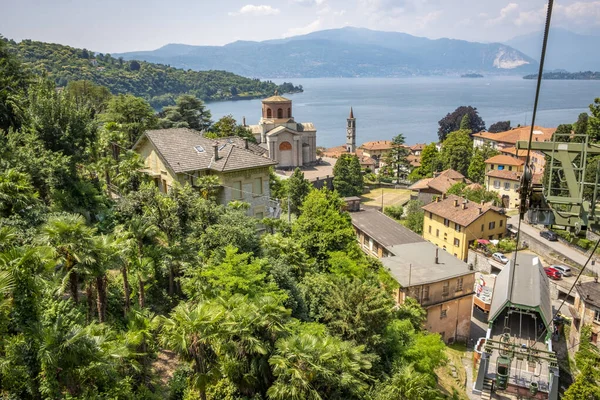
(563, 269)
(549, 235)
(500, 258)
(552, 273)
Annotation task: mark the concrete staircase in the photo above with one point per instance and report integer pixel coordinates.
(486, 393)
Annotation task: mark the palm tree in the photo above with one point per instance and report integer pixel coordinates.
(139, 337)
(408, 384)
(311, 367)
(6, 286)
(194, 332)
(143, 268)
(104, 254)
(16, 192)
(72, 240)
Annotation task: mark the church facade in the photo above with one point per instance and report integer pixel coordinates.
(288, 142)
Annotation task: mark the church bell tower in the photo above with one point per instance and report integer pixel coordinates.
(351, 133)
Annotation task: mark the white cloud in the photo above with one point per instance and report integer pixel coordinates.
(251, 9)
(308, 3)
(579, 13)
(303, 30)
(509, 12)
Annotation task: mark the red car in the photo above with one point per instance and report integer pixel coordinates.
(553, 273)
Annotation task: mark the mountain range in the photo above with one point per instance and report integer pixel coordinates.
(345, 52)
(566, 50)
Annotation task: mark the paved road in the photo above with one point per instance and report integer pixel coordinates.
(559, 247)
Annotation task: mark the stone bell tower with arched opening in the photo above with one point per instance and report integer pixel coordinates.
(351, 133)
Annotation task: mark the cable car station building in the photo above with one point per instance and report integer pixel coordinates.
(516, 355)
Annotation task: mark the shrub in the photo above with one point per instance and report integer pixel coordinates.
(395, 212)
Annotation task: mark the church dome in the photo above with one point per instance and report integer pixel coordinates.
(276, 98)
(277, 107)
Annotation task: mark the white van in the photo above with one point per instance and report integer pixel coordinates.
(564, 270)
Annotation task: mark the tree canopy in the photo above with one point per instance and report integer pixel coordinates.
(347, 176)
(452, 122)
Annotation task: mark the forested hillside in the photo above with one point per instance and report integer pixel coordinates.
(111, 289)
(159, 84)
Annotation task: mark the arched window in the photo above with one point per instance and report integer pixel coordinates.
(285, 146)
(279, 113)
(289, 113)
(269, 115)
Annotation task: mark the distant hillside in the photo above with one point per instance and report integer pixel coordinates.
(346, 52)
(159, 84)
(566, 50)
(556, 75)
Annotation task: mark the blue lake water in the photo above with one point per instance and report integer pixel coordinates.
(384, 107)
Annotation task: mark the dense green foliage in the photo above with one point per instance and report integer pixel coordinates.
(583, 75)
(347, 176)
(112, 289)
(452, 122)
(396, 163)
(457, 151)
(500, 126)
(158, 84)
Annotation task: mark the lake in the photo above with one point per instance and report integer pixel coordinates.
(384, 107)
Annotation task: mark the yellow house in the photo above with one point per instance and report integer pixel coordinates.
(502, 175)
(454, 224)
(184, 155)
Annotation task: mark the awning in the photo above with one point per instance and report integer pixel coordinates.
(483, 241)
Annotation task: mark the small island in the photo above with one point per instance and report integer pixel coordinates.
(584, 75)
(471, 76)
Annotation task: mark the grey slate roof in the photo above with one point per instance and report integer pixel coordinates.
(589, 292)
(414, 264)
(383, 229)
(530, 287)
(185, 150)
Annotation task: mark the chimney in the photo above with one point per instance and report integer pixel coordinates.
(216, 150)
(464, 205)
(443, 196)
(455, 203)
(596, 279)
(436, 256)
(437, 199)
(480, 211)
(246, 143)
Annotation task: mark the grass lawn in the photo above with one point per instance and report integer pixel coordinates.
(391, 197)
(452, 376)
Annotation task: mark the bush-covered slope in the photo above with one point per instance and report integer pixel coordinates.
(159, 84)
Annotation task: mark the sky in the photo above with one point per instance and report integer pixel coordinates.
(112, 26)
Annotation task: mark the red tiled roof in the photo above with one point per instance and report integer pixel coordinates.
(378, 145)
(455, 213)
(504, 174)
(441, 183)
(504, 160)
(540, 134)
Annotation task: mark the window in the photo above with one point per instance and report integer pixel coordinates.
(501, 222)
(492, 225)
(371, 244)
(506, 186)
(425, 293)
(491, 237)
(446, 289)
(429, 228)
(510, 168)
(289, 113)
(499, 236)
(443, 314)
(597, 316)
(496, 184)
(430, 215)
(459, 284)
(492, 166)
(279, 113)
(456, 242)
(457, 227)
(257, 187)
(446, 222)
(269, 115)
(516, 186)
(500, 167)
(237, 190)
(437, 233)
(481, 227)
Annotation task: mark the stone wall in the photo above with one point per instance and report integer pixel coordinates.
(479, 262)
(321, 182)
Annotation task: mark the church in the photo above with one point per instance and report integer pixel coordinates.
(288, 142)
